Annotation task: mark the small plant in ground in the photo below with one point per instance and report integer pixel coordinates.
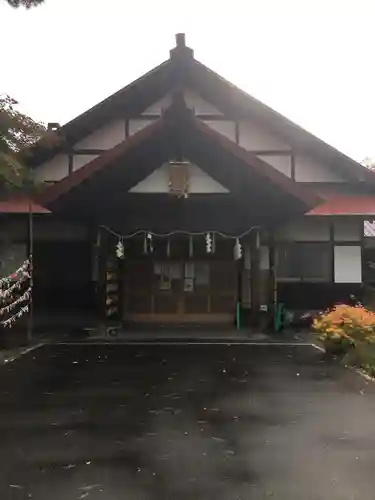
(349, 331)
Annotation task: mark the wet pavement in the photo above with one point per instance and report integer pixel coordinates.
(181, 422)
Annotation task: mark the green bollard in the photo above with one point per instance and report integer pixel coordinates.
(238, 315)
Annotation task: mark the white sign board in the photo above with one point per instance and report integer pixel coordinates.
(348, 264)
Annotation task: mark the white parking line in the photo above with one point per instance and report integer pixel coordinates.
(318, 347)
(14, 357)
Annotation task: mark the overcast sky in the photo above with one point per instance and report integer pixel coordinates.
(312, 60)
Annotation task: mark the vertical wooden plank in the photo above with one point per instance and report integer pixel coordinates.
(332, 248)
(70, 163)
(237, 132)
(255, 284)
(273, 279)
(362, 243)
(293, 166)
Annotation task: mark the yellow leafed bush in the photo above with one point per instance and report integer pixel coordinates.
(346, 324)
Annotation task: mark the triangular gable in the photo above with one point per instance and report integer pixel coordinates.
(218, 95)
(198, 138)
(234, 101)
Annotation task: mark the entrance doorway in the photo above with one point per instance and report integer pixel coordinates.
(180, 291)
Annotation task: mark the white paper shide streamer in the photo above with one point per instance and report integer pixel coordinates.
(12, 297)
(9, 322)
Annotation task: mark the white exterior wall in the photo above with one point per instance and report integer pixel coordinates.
(138, 124)
(348, 264)
(253, 136)
(201, 107)
(199, 182)
(104, 138)
(282, 163)
(158, 107)
(306, 229)
(308, 169)
(53, 170)
(224, 127)
(81, 160)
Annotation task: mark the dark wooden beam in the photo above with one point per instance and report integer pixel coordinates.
(332, 249)
(237, 132)
(255, 277)
(144, 116)
(271, 152)
(293, 167)
(88, 151)
(213, 117)
(70, 163)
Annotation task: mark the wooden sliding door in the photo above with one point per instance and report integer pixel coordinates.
(180, 290)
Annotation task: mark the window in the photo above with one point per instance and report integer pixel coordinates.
(304, 262)
(369, 229)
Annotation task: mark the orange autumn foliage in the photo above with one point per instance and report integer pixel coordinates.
(346, 323)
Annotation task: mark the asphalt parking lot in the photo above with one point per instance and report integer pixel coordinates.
(181, 422)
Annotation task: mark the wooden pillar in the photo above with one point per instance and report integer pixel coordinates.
(255, 284)
(272, 277)
(102, 247)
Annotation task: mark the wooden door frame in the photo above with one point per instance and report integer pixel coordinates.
(181, 316)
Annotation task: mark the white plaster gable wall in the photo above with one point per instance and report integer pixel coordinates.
(158, 107)
(104, 138)
(199, 182)
(137, 124)
(53, 170)
(282, 163)
(224, 127)
(254, 136)
(194, 101)
(81, 160)
(308, 169)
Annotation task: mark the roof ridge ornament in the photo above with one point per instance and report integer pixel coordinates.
(181, 50)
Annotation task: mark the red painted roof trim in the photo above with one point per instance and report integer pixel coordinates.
(346, 205)
(21, 205)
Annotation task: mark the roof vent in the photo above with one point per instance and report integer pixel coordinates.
(53, 126)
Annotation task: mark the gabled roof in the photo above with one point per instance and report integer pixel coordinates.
(183, 69)
(178, 126)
